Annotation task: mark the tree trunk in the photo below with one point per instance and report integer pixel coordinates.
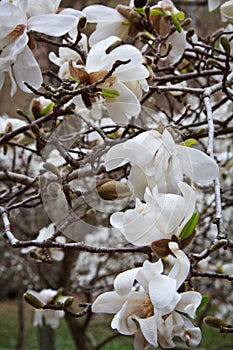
(20, 341)
(46, 338)
(79, 336)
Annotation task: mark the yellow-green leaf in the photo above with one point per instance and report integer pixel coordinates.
(189, 142)
(189, 227)
(110, 93)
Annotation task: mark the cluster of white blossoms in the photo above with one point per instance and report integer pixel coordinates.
(146, 297)
(164, 204)
(148, 302)
(17, 20)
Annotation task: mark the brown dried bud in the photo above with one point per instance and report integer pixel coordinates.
(160, 247)
(78, 73)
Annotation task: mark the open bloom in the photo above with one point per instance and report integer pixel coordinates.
(153, 303)
(46, 233)
(51, 317)
(160, 217)
(122, 84)
(17, 19)
(157, 161)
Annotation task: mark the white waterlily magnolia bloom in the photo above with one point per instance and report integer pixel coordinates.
(160, 217)
(45, 233)
(154, 303)
(124, 80)
(65, 55)
(16, 58)
(51, 317)
(157, 161)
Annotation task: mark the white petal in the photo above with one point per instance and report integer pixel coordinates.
(124, 319)
(96, 59)
(148, 271)
(101, 13)
(115, 157)
(27, 69)
(149, 329)
(162, 290)
(109, 302)
(189, 302)
(190, 202)
(213, 4)
(13, 83)
(10, 16)
(123, 107)
(55, 25)
(106, 29)
(197, 165)
(181, 268)
(123, 283)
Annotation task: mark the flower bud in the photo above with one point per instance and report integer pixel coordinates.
(67, 302)
(109, 189)
(32, 300)
(215, 322)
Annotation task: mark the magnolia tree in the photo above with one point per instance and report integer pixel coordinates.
(123, 162)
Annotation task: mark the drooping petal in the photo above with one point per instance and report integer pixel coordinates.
(115, 157)
(197, 165)
(124, 319)
(189, 303)
(180, 269)
(109, 302)
(124, 106)
(191, 334)
(27, 69)
(149, 329)
(123, 283)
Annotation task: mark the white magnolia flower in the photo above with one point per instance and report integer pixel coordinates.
(153, 303)
(157, 161)
(124, 104)
(120, 22)
(46, 233)
(51, 317)
(160, 217)
(65, 55)
(16, 58)
(162, 26)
